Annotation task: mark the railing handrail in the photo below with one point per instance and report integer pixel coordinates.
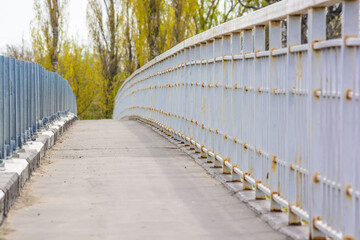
(276, 11)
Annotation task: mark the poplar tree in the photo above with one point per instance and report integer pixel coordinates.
(47, 31)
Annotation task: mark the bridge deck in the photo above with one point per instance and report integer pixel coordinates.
(120, 180)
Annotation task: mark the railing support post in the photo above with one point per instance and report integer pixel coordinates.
(293, 38)
(274, 43)
(316, 32)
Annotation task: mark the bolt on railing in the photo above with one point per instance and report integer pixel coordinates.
(285, 121)
(30, 99)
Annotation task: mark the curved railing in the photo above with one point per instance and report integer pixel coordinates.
(30, 99)
(284, 121)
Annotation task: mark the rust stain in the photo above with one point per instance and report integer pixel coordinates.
(245, 88)
(300, 66)
(203, 104)
(348, 94)
(246, 186)
(233, 167)
(273, 163)
(274, 209)
(299, 175)
(293, 220)
(291, 166)
(259, 151)
(316, 177)
(348, 191)
(317, 93)
(348, 237)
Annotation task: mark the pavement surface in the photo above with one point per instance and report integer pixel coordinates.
(107, 179)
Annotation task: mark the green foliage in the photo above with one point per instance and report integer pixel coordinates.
(125, 34)
(47, 31)
(83, 71)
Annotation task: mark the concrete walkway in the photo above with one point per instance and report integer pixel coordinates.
(120, 180)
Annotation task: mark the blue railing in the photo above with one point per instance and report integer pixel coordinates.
(30, 99)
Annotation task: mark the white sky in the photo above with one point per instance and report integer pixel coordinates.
(15, 17)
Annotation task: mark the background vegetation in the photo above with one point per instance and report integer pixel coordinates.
(123, 36)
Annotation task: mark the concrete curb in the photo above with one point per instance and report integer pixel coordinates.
(276, 220)
(19, 168)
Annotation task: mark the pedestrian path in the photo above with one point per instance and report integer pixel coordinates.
(108, 179)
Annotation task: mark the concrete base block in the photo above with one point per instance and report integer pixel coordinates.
(32, 157)
(19, 166)
(9, 184)
(34, 145)
(50, 136)
(2, 205)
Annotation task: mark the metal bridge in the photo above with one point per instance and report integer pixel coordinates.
(284, 121)
(275, 119)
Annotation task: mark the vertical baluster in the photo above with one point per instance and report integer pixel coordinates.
(316, 32)
(291, 157)
(17, 107)
(197, 109)
(209, 138)
(274, 43)
(236, 103)
(226, 104)
(191, 89)
(22, 101)
(217, 96)
(203, 101)
(26, 101)
(247, 112)
(259, 116)
(7, 112)
(350, 121)
(2, 113)
(183, 94)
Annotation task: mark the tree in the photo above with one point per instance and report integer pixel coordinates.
(20, 52)
(128, 31)
(183, 24)
(154, 26)
(333, 20)
(104, 22)
(82, 70)
(207, 16)
(47, 31)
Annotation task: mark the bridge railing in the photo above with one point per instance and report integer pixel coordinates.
(284, 121)
(30, 99)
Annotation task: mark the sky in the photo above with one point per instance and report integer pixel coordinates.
(16, 15)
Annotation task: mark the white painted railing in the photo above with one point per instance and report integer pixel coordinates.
(284, 121)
